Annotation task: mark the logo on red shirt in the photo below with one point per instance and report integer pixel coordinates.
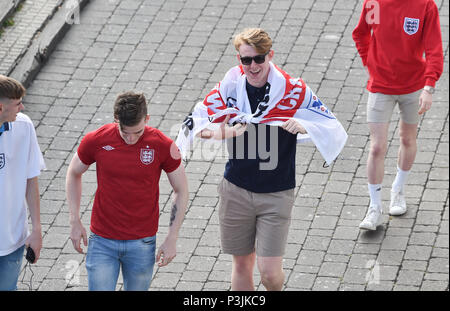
(108, 148)
(411, 25)
(147, 156)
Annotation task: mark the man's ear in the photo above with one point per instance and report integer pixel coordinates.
(147, 117)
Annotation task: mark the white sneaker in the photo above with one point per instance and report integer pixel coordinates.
(398, 204)
(372, 219)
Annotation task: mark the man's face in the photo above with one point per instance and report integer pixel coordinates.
(9, 108)
(257, 74)
(131, 134)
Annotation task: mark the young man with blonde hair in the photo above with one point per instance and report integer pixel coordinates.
(21, 162)
(261, 109)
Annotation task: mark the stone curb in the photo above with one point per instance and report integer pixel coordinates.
(45, 42)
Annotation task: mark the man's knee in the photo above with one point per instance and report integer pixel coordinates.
(408, 141)
(272, 279)
(408, 134)
(272, 275)
(378, 150)
(244, 264)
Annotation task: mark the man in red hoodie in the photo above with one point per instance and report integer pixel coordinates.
(392, 37)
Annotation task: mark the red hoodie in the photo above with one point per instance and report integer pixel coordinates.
(392, 37)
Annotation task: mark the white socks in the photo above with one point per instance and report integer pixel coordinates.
(375, 194)
(400, 180)
(397, 186)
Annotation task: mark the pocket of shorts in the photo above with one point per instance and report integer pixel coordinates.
(379, 102)
(371, 102)
(289, 197)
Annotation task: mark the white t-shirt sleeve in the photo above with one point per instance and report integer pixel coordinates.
(35, 159)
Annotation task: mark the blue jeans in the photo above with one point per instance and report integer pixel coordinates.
(105, 257)
(10, 269)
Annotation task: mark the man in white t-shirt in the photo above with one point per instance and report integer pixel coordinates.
(21, 162)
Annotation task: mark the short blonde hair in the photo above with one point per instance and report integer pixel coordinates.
(256, 38)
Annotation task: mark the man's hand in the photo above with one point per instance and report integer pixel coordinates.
(225, 131)
(293, 127)
(425, 101)
(167, 252)
(77, 233)
(73, 193)
(35, 242)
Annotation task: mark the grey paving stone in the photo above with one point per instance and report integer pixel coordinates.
(358, 276)
(326, 284)
(301, 280)
(390, 257)
(434, 286)
(438, 265)
(418, 252)
(410, 277)
(341, 247)
(362, 261)
(395, 243)
(332, 269)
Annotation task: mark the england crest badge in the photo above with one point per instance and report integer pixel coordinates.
(147, 156)
(317, 106)
(411, 25)
(2, 160)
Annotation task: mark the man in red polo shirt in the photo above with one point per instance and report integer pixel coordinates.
(392, 37)
(129, 157)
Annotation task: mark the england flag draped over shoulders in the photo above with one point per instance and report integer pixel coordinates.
(288, 98)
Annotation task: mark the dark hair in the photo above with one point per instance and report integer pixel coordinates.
(11, 88)
(130, 108)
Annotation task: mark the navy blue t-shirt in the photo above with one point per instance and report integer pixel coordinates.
(265, 162)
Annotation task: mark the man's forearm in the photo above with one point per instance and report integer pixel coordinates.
(177, 213)
(33, 202)
(73, 193)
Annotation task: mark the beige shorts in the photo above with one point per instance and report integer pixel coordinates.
(247, 218)
(380, 107)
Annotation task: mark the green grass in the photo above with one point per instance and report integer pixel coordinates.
(7, 23)
(10, 21)
(19, 7)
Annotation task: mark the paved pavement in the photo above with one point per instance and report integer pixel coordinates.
(175, 51)
(25, 22)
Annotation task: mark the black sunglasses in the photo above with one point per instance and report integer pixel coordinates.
(259, 59)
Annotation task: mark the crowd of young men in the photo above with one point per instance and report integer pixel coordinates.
(255, 204)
